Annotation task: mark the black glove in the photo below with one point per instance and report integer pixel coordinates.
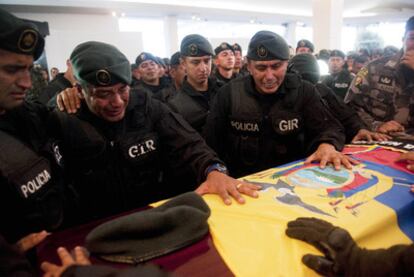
(343, 257)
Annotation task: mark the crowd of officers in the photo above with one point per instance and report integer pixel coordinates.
(123, 136)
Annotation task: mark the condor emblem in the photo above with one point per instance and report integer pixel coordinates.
(261, 51)
(193, 49)
(223, 46)
(27, 40)
(385, 80)
(103, 77)
(143, 57)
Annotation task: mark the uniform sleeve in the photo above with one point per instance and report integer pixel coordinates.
(358, 98)
(104, 271)
(183, 144)
(345, 114)
(320, 125)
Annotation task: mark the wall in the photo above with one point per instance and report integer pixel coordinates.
(66, 33)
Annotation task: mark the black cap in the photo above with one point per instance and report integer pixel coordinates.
(409, 26)
(305, 43)
(141, 236)
(195, 46)
(100, 64)
(236, 47)
(306, 65)
(175, 58)
(266, 46)
(20, 37)
(337, 53)
(145, 56)
(223, 47)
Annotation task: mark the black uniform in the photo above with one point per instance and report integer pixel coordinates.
(220, 80)
(253, 131)
(194, 105)
(31, 189)
(57, 85)
(127, 164)
(339, 83)
(157, 92)
(345, 114)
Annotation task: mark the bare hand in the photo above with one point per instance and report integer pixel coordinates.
(369, 136)
(390, 126)
(69, 100)
(408, 59)
(80, 258)
(28, 242)
(226, 186)
(326, 153)
(409, 157)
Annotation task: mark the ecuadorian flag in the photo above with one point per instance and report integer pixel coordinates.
(372, 201)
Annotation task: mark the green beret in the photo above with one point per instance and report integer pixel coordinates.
(196, 46)
(141, 236)
(306, 65)
(145, 56)
(100, 64)
(236, 47)
(222, 47)
(20, 37)
(409, 25)
(305, 43)
(175, 58)
(267, 46)
(337, 53)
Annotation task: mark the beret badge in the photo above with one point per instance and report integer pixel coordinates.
(27, 40)
(261, 51)
(103, 77)
(193, 49)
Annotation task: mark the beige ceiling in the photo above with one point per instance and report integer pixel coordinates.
(266, 11)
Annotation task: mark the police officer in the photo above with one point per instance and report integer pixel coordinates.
(121, 147)
(224, 61)
(148, 71)
(31, 191)
(59, 83)
(177, 73)
(383, 91)
(271, 117)
(340, 78)
(307, 66)
(193, 100)
(304, 46)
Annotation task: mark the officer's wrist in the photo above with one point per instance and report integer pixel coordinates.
(216, 167)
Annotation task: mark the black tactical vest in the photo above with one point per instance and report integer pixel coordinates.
(259, 140)
(35, 197)
(113, 175)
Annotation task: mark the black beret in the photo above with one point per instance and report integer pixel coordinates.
(195, 46)
(175, 58)
(409, 26)
(141, 236)
(266, 46)
(100, 64)
(160, 61)
(222, 47)
(237, 47)
(306, 65)
(145, 56)
(20, 37)
(305, 43)
(337, 53)
(361, 59)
